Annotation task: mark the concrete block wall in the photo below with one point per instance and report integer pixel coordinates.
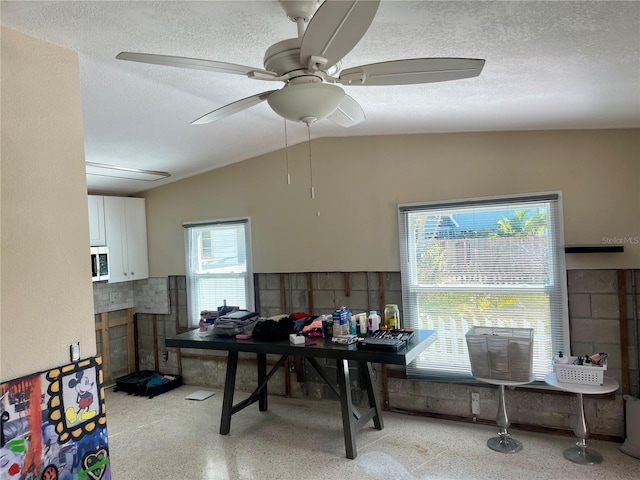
(151, 338)
(360, 291)
(594, 323)
(148, 295)
(119, 351)
(118, 346)
(595, 319)
(595, 327)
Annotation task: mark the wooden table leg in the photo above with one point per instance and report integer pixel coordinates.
(366, 372)
(348, 421)
(262, 375)
(229, 387)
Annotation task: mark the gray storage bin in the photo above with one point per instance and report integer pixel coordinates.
(501, 353)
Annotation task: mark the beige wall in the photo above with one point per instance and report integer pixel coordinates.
(46, 294)
(359, 181)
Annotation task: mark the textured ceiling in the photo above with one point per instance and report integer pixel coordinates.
(549, 65)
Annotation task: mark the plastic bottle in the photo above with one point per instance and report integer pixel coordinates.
(353, 327)
(363, 325)
(391, 316)
(373, 322)
(560, 358)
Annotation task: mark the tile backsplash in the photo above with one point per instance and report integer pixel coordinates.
(150, 295)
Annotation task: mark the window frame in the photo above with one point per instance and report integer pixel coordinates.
(411, 289)
(193, 277)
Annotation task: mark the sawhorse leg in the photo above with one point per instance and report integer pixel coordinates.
(366, 373)
(262, 377)
(229, 387)
(348, 420)
(259, 394)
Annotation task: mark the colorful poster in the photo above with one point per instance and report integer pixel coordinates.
(53, 425)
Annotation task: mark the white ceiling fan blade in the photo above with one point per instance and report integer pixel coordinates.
(412, 71)
(335, 28)
(232, 108)
(348, 113)
(193, 63)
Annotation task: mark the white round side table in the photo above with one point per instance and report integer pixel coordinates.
(503, 443)
(581, 453)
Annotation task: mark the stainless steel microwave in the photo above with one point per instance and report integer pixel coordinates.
(100, 263)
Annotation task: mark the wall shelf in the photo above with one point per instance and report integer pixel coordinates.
(593, 249)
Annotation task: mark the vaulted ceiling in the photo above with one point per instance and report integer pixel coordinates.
(549, 65)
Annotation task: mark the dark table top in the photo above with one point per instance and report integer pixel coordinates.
(315, 347)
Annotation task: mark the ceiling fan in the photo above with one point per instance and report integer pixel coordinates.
(309, 65)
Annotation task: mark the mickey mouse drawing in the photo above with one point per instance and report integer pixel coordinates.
(82, 385)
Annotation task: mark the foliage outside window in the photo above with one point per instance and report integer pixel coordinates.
(486, 262)
(218, 261)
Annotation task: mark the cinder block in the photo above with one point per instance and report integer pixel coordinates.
(522, 399)
(565, 403)
(299, 281)
(330, 281)
(273, 281)
(614, 361)
(592, 281)
(299, 301)
(582, 348)
(408, 402)
(580, 305)
(324, 299)
(358, 281)
(547, 419)
(607, 426)
(611, 409)
(270, 298)
(357, 301)
(605, 306)
(457, 407)
(586, 330)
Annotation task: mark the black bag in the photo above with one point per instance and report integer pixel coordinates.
(273, 330)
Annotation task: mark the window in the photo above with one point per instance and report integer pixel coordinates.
(218, 259)
(489, 262)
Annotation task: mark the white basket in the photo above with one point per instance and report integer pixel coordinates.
(580, 374)
(501, 353)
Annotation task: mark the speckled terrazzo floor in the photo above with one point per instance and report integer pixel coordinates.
(169, 437)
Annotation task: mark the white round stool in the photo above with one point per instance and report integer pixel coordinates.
(581, 453)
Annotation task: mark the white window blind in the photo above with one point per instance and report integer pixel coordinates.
(488, 262)
(218, 261)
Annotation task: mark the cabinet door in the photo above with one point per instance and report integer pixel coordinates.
(97, 237)
(136, 221)
(116, 233)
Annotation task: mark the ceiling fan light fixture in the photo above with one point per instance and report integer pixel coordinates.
(306, 102)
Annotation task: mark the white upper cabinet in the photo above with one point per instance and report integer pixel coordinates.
(97, 236)
(126, 232)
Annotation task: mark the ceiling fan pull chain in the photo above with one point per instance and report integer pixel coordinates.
(286, 152)
(313, 195)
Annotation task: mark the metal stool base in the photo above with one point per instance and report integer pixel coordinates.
(582, 455)
(504, 444)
